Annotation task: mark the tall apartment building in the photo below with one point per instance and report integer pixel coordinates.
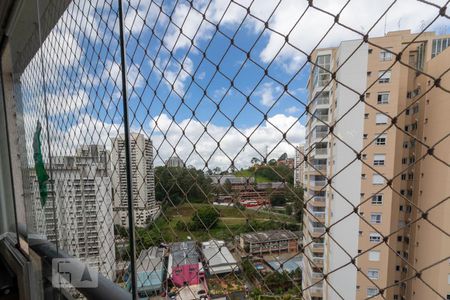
(299, 165)
(383, 207)
(143, 180)
(175, 162)
(80, 199)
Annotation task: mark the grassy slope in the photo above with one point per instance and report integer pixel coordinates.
(230, 224)
(247, 173)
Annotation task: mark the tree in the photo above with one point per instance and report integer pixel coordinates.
(276, 173)
(278, 281)
(206, 217)
(217, 170)
(173, 185)
(255, 161)
(289, 210)
(277, 199)
(272, 162)
(294, 195)
(283, 156)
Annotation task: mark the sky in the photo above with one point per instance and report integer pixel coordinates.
(215, 82)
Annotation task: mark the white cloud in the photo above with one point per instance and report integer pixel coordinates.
(359, 14)
(268, 93)
(304, 34)
(112, 72)
(67, 103)
(292, 110)
(232, 140)
(177, 76)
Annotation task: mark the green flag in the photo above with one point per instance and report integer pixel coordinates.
(39, 166)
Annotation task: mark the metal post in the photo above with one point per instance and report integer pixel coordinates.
(127, 157)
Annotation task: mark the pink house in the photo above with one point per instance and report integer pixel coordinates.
(187, 274)
(184, 265)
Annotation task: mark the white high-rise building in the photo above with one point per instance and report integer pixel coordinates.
(143, 181)
(175, 162)
(81, 199)
(299, 166)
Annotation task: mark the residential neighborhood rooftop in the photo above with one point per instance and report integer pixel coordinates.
(267, 236)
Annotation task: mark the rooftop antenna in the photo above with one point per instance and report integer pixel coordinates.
(385, 23)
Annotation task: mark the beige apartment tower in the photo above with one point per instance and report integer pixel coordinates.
(143, 181)
(379, 108)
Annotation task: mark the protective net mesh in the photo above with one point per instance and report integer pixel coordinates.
(277, 149)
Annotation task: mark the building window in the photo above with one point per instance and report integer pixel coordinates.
(381, 139)
(383, 98)
(374, 255)
(377, 199)
(385, 55)
(372, 292)
(381, 119)
(373, 274)
(375, 218)
(378, 159)
(384, 76)
(374, 237)
(439, 45)
(377, 179)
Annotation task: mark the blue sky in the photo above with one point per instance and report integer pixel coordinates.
(82, 66)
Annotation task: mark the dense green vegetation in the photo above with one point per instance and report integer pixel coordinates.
(268, 173)
(173, 185)
(187, 213)
(175, 224)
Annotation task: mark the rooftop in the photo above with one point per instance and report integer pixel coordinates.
(218, 258)
(285, 262)
(267, 236)
(221, 179)
(184, 253)
(150, 268)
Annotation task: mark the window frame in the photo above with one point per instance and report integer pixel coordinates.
(375, 180)
(373, 271)
(372, 289)
(378, 137)
(384, 76)
(374, 236)
(377, 161)
(377, 220)
(385, 55)
(377, 199)
(377, 254)
(381, 99)
(382, 121)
